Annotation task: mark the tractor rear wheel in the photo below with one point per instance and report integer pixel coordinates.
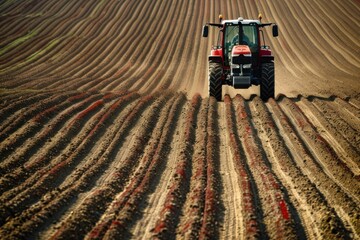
(267, 85)
(215, 84)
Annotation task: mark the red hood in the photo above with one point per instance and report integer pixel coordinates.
(241, 50)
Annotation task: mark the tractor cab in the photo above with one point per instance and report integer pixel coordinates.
(240, 34)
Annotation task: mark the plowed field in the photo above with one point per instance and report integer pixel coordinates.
(106, 129)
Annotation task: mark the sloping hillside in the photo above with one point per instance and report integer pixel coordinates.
(150, 45)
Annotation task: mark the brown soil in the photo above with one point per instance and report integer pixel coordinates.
(106, 129)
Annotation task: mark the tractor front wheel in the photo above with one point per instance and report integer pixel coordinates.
(267, 85)
(215, 84)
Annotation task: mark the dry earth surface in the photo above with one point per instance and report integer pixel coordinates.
(106, 130)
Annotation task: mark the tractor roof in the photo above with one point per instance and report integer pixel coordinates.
(243, 21)
(240, 19)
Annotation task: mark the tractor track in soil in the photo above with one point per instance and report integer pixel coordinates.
(106, 130)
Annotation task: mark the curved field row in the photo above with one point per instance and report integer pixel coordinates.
(95, 165)
(149, 46)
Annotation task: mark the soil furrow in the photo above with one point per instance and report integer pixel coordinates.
(341, 123)
(128, 204)
(180, 181)
(100, 197)
(84, 176)
(345, 151)
(74, 127)
(323, 153)
(231, 198)
(250, 220)
(33, 161)
(212, 208)
(308, 203)
(309, 166)
(26, 125)
(275, 203)
(19, 107)
(134, 186)
(50, 178)
(190, 220)
(153, 208)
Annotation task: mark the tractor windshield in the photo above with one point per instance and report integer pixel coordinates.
(249, 37)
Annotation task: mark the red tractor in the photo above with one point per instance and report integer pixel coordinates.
(240, 59)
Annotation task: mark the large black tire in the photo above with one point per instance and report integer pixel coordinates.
(267, 85)
(215, 84)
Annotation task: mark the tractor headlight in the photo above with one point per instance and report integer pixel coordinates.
(235, 69)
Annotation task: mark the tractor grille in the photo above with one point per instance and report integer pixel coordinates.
(241, 59)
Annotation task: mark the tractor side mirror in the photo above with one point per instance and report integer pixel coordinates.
(275, 30)
(205, 31)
